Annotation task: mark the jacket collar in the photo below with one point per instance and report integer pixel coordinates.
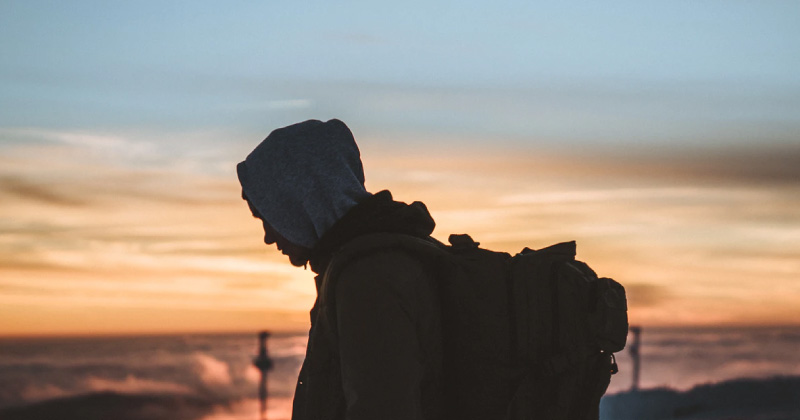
(376, 213)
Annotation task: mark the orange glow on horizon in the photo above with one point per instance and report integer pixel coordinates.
(93, 249)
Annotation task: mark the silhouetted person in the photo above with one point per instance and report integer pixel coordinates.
(633, 348)
(264, 364)
(376, 353)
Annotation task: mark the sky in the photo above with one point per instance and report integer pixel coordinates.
(663, 136)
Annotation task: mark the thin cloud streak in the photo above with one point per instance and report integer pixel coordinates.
(661, 193)
(290, 104)
(767, 164)
(26, 190)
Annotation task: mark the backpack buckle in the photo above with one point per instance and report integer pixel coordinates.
(614, 368)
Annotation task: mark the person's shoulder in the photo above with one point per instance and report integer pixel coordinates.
(387, 263)
(386, 278)
(381, 263)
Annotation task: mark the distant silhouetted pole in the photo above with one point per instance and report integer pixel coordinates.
(634, 350)
(263, 363)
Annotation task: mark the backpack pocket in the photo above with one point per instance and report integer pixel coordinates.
(610, 315)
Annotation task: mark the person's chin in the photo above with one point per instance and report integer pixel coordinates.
(297, 262)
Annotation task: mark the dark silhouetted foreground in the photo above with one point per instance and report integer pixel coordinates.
(264, 364)
(764, 399)
(773, 399)
(109, 405)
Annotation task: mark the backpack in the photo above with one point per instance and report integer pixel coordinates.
(530, 336)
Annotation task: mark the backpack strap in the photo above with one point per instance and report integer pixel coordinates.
(430, 250)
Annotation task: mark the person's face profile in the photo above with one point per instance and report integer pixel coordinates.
(298, 255)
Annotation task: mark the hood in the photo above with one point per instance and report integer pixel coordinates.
(375, 214)
(303, 178)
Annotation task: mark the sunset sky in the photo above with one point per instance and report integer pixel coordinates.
(663, 136)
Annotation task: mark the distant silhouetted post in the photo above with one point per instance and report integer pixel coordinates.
(263, 363)
(633, 348)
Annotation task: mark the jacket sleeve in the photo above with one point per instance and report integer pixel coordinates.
(383, 307)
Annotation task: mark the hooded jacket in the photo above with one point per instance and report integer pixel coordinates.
(381, 357)
(303, 178)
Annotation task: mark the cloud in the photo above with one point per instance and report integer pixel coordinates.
(290, 104)
(595, 195)
(213, 372)
(251, 374)
(32, 392)
(134, 385)
(130, 385)
(28, 190)
(87, 141)
(769, 163)
(84, 179)
(670, 168)
(646, 295)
